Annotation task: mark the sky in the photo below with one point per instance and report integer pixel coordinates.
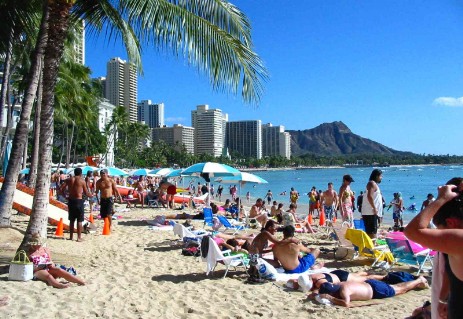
(392, 71)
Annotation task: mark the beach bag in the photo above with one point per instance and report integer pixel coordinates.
(266, 270)
(21, 269)
(191, 251)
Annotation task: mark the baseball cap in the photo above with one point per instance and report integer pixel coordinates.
(104, 171)
(348, 178)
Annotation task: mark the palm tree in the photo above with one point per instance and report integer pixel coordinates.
(213, 35)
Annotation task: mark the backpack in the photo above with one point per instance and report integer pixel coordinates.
(191, 251)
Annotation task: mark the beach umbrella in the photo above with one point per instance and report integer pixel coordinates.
(242, 178)
(85, 170)
(207, 170)
(163, 172)
(6, 156)
(24, 171)
(174, 173)
(141, 172)
(114, 171)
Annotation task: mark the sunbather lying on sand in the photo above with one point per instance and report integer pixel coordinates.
(287, 254)
(345, 292)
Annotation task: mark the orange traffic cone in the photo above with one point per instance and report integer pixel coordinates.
(59, 229)
(334, 219)
(310, 219)
(90, 219)
(322, 219)
(106, 230)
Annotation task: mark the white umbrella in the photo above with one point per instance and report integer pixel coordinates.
(141, 172)
(208, 170)
(161, 171)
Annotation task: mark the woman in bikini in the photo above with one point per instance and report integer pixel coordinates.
(140, 186)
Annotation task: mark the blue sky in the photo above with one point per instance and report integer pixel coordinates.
(392, 71)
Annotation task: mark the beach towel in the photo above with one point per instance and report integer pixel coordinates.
(366, 247)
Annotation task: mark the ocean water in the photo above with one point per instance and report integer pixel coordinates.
(414, 182)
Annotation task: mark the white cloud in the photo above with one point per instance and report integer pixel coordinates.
(449, 101)
(175, 120)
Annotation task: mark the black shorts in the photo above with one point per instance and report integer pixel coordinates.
(371, 223)
(76, 210)
(342, 274)
(106, 207)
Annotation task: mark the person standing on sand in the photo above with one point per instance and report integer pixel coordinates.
(312, 200)
(372, 205)
(76, 186)
(293, 196)
(107, 188)
(345, 199)
(329, 200)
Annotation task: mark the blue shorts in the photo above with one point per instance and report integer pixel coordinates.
(381, 290)
(397, 215)
(396, 277)
(304, 264)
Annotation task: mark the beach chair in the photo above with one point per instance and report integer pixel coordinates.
(367, 248)
(215, 256)
(185, 234)
(402, 251)
(359, 224)
(226, 223)
(153, 203)
(208, 217)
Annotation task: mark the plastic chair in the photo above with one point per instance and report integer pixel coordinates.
(208, 216)
(367, 248)
(403, 253)
(359, 224)
(215, 256)
(224, 221)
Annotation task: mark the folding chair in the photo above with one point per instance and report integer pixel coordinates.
(359, 224)
(367, 248)
(208, 217)
(153, 203)
(224, 221)
(403, 253)
(215, 256)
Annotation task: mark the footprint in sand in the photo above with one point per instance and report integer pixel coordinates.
(4, 301)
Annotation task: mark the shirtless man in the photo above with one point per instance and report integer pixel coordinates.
(345, 292)
(329, 201)
(345, 199)
(287, 254)
(429, 200)
(107, 188)
(76, 186)
(274, 209)
(257, 213)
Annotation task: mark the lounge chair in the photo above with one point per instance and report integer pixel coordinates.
(215, 256)
(184, 233)
(359, 224)
(366, 248)
(402, 251)
(226, 223)
(208, 217)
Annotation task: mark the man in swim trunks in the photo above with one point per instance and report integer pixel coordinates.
(287, 253)
(312, 200)
(343, 293)
(107, 188)
(76, 186)
(329, 201)
(345, 199)
(293, 196)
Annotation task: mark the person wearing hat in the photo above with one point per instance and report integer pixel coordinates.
(108, 189)
(345, 199)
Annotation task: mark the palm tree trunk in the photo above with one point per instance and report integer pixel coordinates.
(22, 128)
(58, 26)
(6, 79)
(36, 141)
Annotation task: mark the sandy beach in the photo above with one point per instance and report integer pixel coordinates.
(137, 272)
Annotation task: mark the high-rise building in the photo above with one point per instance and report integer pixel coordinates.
(275, 141)
(176, 136)
(209, 125)
(151, 114)
(121, 86)
(245, 138)
(105, 113)
(79, 42)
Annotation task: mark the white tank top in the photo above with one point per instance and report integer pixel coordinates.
(377, 200)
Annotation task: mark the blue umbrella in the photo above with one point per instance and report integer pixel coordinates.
(85, 170)
(208, 170)
(114, 171)
(161, 171)
(141, 172)
(243, 177)
(6, 157)
(174, 173)
(24, 171)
